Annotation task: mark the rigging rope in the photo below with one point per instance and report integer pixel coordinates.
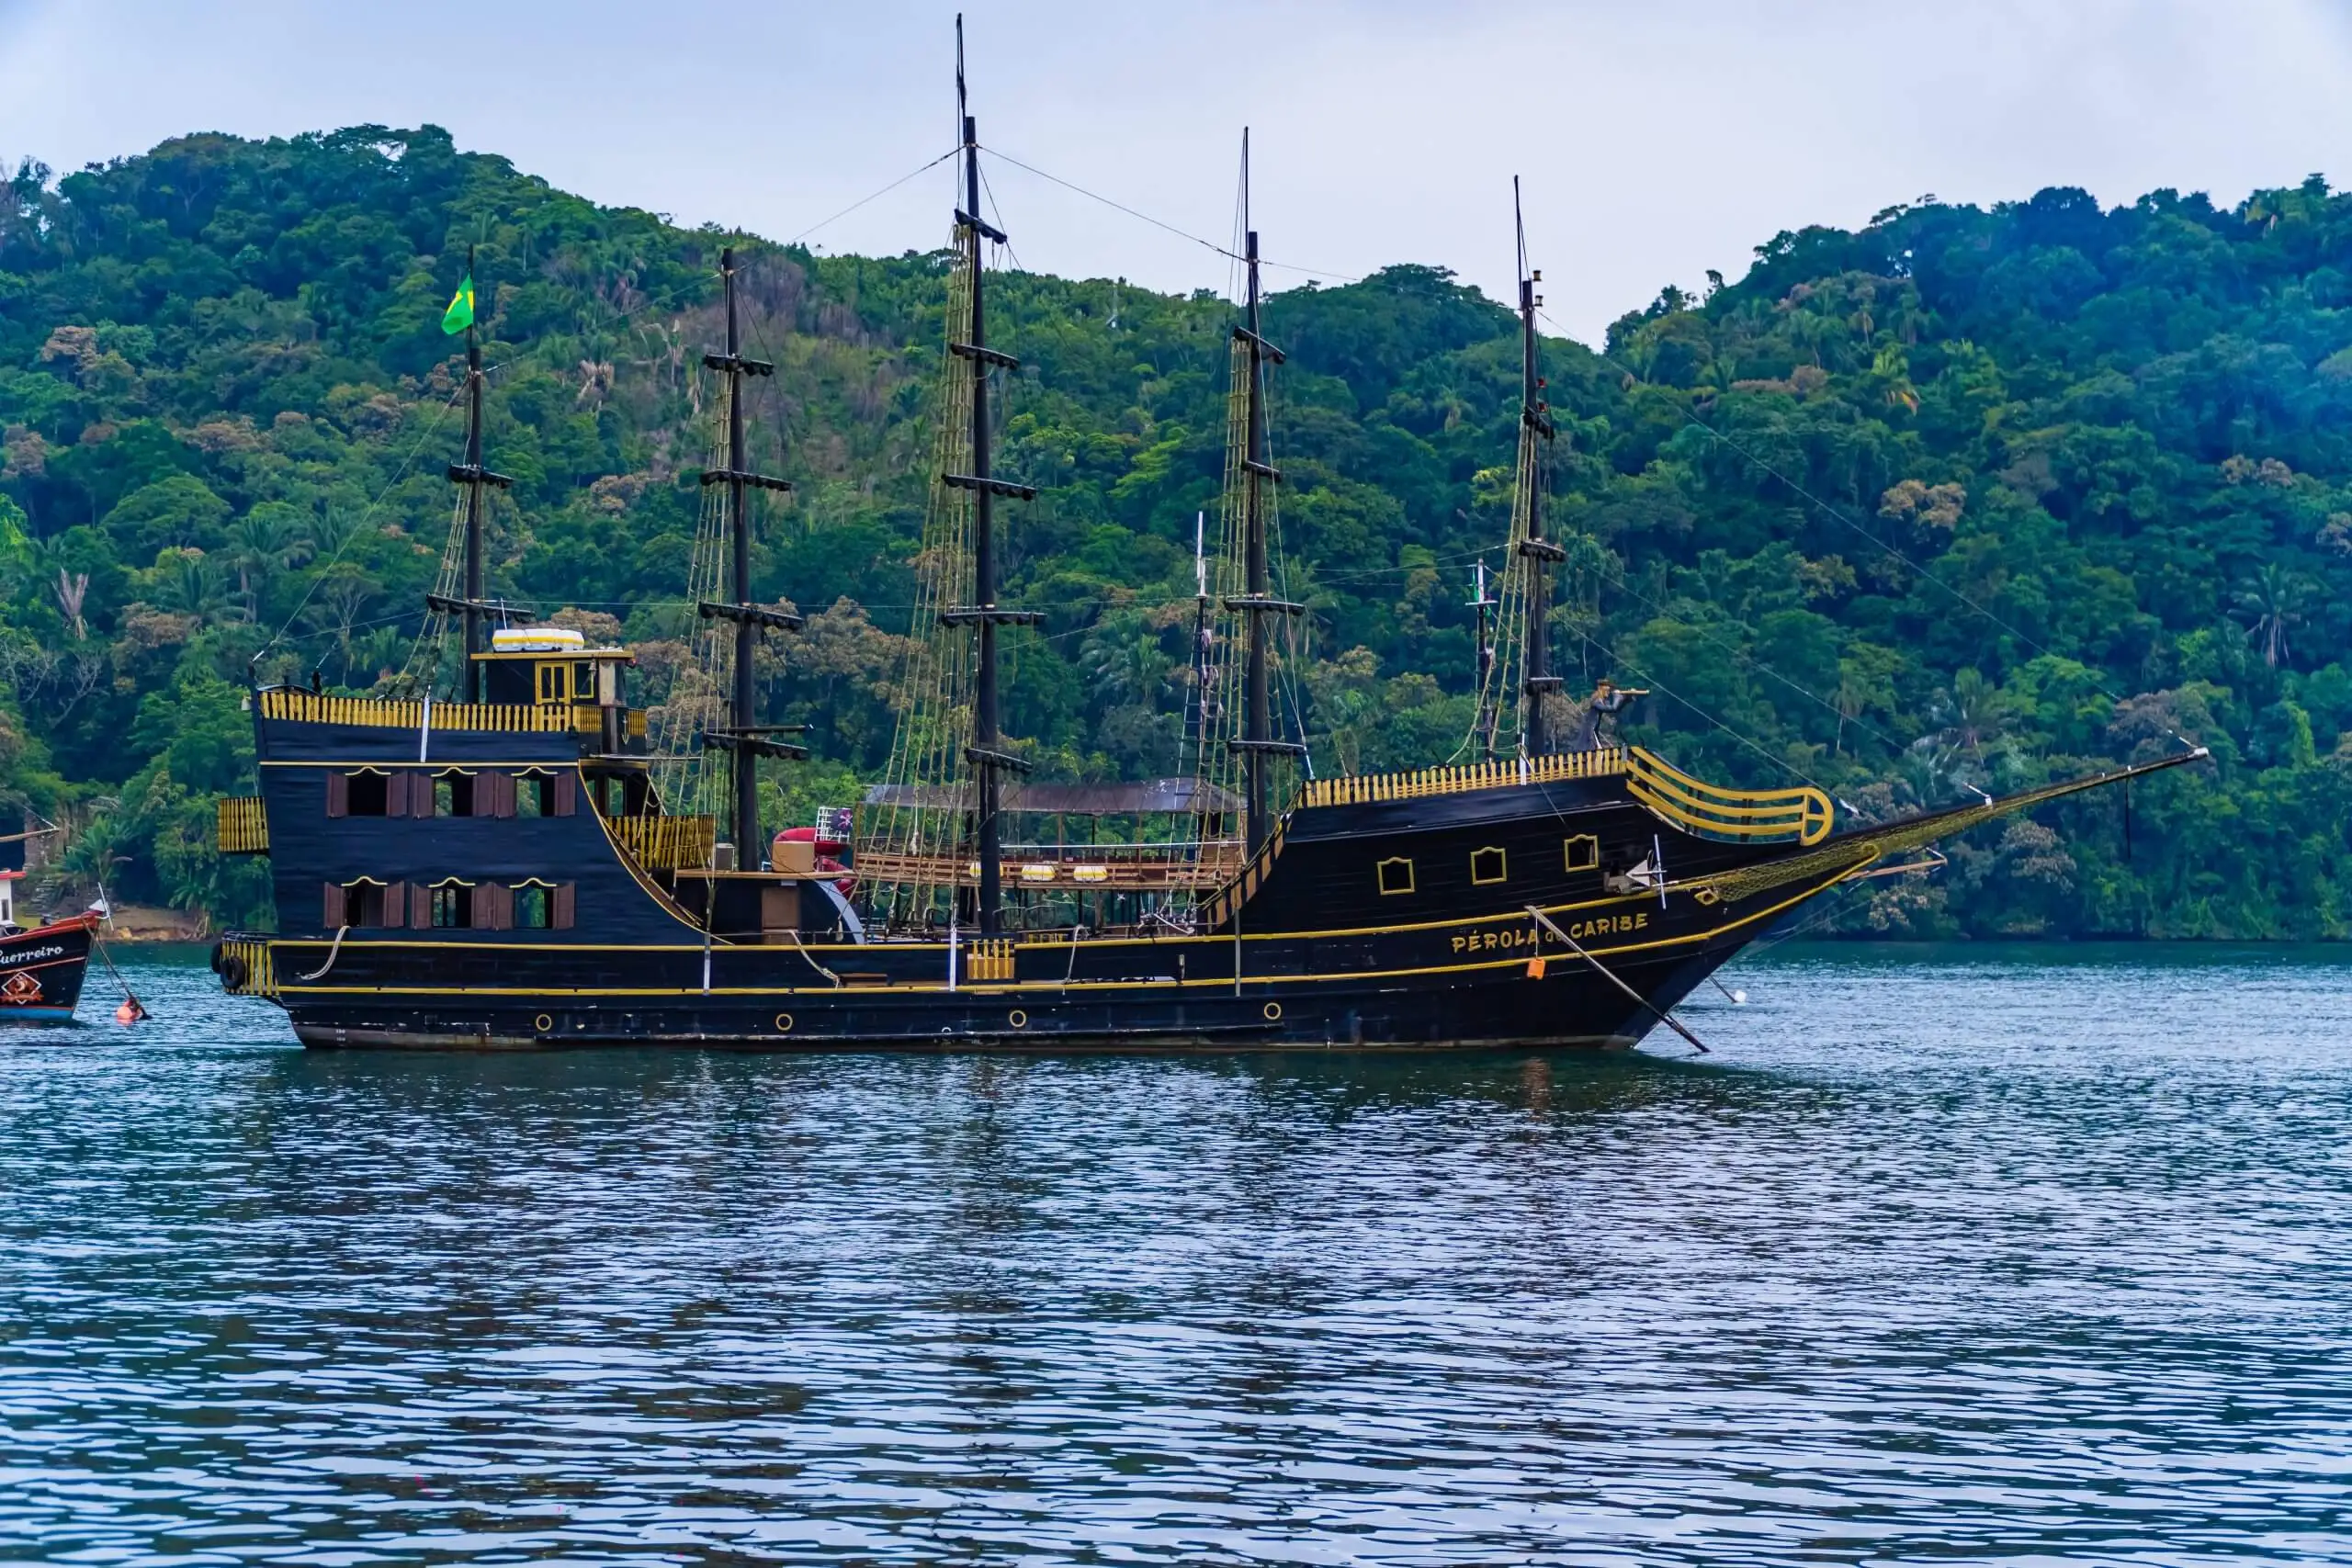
(1231, 254)
(357, 526)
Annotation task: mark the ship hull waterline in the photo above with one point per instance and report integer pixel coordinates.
(1517, 985)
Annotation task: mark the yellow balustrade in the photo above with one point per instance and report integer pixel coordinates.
(242, 828)
(1357, 789)
(1801, 814)
(377, 713)
(988, 958)
(665, 843)
(1712, 811)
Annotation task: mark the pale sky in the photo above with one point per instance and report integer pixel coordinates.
(1655, 138)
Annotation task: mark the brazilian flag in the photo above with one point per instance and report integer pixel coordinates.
(460, 313)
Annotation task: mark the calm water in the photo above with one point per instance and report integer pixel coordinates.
(1986, 1256)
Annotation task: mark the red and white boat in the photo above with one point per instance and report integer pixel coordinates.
(40, 967)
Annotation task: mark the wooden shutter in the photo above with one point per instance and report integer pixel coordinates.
(502, 795)
(493, 907)
(567, 793)
(396, 905)
(560, 910)
(421, 802)
(338, 803)
(396, 794)
(331, 903)
(420, 901)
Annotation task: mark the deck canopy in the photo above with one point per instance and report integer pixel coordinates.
(1177, 797)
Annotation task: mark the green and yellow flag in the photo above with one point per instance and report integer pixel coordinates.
(460, 313)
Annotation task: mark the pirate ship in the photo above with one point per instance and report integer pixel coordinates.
(522, 857)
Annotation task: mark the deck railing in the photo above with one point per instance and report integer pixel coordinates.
(665, 843)
(1712, 811)
(1354, 789)
(242, 828)
(319, 707)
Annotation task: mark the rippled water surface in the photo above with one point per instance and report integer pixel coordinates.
(1988, 1255)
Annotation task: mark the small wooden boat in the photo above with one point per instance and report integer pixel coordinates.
(41, 969)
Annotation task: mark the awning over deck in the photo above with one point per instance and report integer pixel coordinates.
(1179, 797)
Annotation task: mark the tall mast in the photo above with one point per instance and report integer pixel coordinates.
(989, 758)
(473, 476)
(744, 738)
(1256, 744)
(1534, 470)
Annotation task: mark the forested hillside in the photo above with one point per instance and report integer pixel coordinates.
(1964, 499)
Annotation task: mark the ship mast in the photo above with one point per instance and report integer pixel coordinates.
(1256, 744)
(1536, 436)
(470, 474)
(989, 758)
(744, 738)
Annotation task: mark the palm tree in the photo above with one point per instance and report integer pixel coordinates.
(2273, 599)
(270, 538)
(1976, 710)
(1123, 657)
(341, 602)
(192, 587)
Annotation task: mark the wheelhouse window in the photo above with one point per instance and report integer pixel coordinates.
(449, 905)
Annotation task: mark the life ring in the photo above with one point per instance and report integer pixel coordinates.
(1018, 1019)
(1274, 1013)
(783, 1024)
(543, 1024)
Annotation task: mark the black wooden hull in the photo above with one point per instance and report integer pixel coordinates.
(1499, 979)
(1477, 908)
(41, 970)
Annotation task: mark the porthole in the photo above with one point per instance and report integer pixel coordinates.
(543, 1024)
(1018, 1019)
(1396, 875)
(1488, 865)
(1274, 1013)
(783, 1024)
